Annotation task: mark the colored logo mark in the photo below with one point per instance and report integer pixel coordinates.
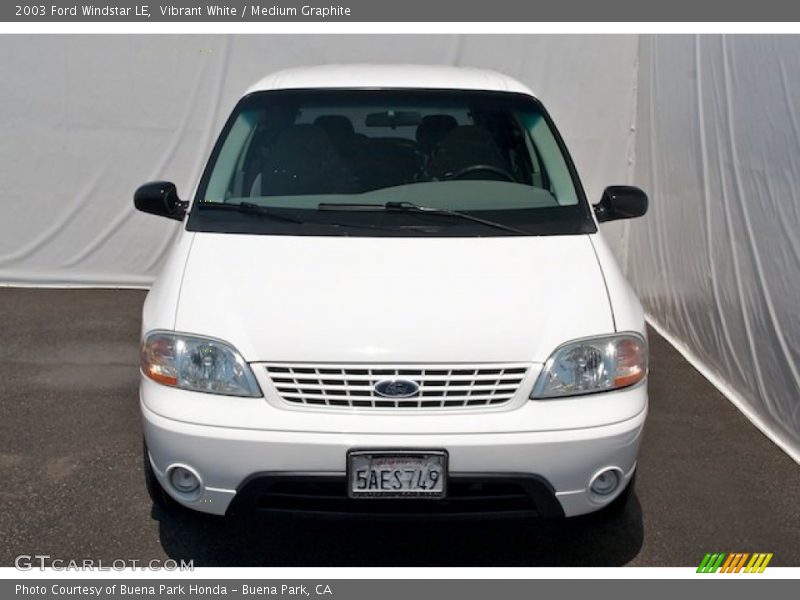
(735, 562)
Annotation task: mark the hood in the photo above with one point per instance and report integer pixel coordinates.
(391, 300)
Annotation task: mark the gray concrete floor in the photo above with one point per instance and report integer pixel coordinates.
(72, 486)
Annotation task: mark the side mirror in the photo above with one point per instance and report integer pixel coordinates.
(621, 202)
(160, 198)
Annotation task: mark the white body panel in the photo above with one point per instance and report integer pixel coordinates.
(390, 76)
(394, 302)
(225, 457)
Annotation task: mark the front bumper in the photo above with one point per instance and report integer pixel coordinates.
(229, 459)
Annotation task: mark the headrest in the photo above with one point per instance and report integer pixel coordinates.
(432, 130)
(336, 126)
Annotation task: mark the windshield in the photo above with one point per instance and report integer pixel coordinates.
(327, 162)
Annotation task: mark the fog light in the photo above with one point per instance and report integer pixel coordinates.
(183, 480)
(605, 482)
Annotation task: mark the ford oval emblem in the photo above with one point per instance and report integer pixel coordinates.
(396, 388)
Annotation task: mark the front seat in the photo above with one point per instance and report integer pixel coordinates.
(432, 130)
(340, 131)
(303, 161)
(467, 146)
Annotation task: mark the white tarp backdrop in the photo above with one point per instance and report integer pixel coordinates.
(717, 260)
(86, 119)
(716, 143)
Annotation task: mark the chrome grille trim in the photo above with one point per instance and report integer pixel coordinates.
(441, 386)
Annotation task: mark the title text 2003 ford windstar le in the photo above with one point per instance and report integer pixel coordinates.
(390, 295)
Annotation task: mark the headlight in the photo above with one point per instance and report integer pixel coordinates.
(198, 364)
(593, 365)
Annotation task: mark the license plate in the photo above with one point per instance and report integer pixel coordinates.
(394, 474)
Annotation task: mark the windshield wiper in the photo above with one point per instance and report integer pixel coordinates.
(410, 207)
(252, 209)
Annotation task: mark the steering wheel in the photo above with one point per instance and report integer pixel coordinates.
(476, 168)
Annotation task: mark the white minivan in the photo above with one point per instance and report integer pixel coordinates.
(389, 295)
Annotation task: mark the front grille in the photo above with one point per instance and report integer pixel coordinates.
(467, 495)
(353, 386)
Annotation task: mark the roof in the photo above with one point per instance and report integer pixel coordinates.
(389, 76)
